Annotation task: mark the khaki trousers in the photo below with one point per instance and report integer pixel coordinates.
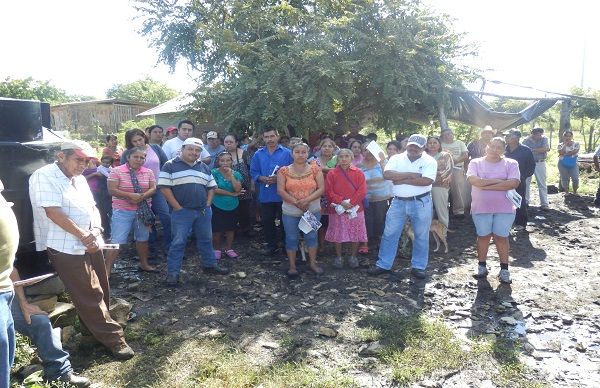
(86, 281)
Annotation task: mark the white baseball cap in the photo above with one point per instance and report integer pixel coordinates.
(193, 141)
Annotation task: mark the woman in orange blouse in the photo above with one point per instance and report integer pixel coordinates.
(300, 185)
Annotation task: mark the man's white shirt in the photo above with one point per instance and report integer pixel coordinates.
(172, 148)
(425, 165)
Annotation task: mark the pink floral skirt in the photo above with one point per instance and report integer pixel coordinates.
(342, 229)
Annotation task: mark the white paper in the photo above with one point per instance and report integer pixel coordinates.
(374, 148)
(304, 226)
(34, 280)
(514, 197)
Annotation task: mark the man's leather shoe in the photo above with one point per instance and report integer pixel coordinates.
(375, 270)
(216, 270)
(418, 273)
(74, 379)
(122, 352)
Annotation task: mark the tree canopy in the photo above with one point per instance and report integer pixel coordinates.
(144, 90)
(31, 89)
(312, 64)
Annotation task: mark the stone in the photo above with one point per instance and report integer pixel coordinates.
(45, 302)
(214, 333)
(133, 286)
(141, 296)
(270, 345)
(327, 332)
(567, 320)
(50, 286)
(372, 349)
(508, 320)
(283, 317)
(581, 346)
(119, 310)
(67, 333)
(241, 275)
(63, 315)
(378, 292)
(301, 321)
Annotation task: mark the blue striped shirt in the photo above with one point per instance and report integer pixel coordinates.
(189, 184)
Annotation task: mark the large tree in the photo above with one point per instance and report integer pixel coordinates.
(32, 89)
(312, 64)
(144, 90)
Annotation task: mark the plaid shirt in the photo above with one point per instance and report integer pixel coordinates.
(49, 187)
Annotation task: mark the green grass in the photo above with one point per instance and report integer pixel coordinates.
(416, 347)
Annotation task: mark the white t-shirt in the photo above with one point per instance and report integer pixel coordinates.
(425, 165)
(172, 148)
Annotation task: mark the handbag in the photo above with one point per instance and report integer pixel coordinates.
(569, 161)
(365, 201)
(143, 213)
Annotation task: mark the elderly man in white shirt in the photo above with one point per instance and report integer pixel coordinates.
(413, 173)
(67, 225)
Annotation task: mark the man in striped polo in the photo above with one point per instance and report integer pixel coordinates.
(188, 187)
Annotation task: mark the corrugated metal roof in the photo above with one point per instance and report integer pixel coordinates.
(174, 105)
(106, 101)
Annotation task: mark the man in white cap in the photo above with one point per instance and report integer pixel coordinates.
(188, 187)
(214, 147)
(67, 224)
(413, 173)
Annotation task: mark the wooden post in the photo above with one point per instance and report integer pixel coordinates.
(565, 118)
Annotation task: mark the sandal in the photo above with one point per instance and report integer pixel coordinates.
(363, 250)
(292, 274)
(316, 269)
(231, 253)
(151, 269)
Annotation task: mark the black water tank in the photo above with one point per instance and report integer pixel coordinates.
(46, 120)
(21, 120)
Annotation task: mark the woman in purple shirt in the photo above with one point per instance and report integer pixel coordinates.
(493, 213)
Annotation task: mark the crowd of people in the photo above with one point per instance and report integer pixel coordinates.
(211, 188)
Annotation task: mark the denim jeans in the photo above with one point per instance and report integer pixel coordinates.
(568, 173)
(46, 340)
(160, 207)
(419, 212)
(7, 338)
(540, 179)
(270, 211)
(292, 233)
(184, 222)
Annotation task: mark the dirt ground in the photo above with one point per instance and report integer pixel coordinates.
(552, 307)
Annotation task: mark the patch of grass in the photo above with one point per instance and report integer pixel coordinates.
(289, 341)
(416, 347)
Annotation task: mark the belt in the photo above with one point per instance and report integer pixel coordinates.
(413, 198)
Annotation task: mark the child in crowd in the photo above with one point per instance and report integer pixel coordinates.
(96, 177)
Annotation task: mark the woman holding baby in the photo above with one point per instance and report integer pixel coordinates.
(346, 189)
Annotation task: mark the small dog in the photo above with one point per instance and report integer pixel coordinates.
(438, 230)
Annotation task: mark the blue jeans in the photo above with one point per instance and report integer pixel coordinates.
(184, 222)
(160, 207)
(7, 338)
(46, 340)
(292, 233)
(419, 212)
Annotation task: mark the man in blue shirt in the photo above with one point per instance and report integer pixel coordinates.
(188, 187)
(263, 169)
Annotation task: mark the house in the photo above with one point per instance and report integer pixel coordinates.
(173, 111)
(92, 119)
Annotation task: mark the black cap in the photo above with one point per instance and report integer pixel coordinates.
(513, 131)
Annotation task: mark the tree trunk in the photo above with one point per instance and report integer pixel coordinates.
(442, 117)
(591, 139)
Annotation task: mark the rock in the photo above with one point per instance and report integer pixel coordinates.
(581, 346)
(567, 320)
(378, 292)
(45, 302)
(119, 310)
(133, 286)
(67, 333)
(51, 286)
(327, 332)
(508, 320)
(301, 321)
(283, 317)
(241, 275)
(63, 315)
(214, 333)
(141, 296)
(269, 345)
(373, 349)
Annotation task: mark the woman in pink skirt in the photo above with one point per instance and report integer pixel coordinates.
(345, 190)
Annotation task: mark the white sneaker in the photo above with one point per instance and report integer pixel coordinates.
(504, 276)
(338, 263)
(353, 262)
(481, 272)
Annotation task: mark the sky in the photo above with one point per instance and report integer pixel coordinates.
(86, 46)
